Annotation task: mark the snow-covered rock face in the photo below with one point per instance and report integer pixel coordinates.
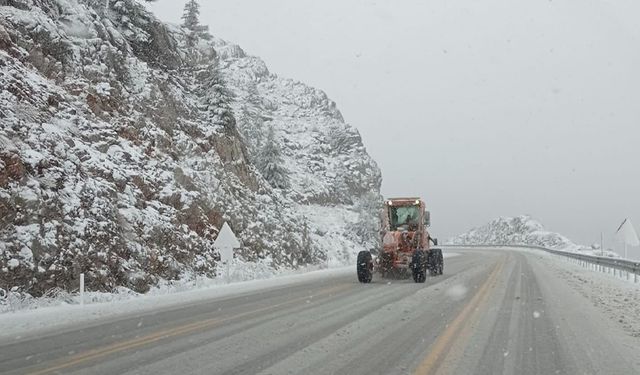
(326, 159)
(122, 153)
(520, 230)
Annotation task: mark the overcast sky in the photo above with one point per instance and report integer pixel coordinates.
(484, 108)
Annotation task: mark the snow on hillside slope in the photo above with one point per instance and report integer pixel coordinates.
(123, 151)
(520, 230)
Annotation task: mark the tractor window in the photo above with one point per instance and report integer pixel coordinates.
(404, 216)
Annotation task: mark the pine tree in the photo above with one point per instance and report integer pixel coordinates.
(191, 15)
(191, 18)
(270, 163)
(250, 123)
(219, 102)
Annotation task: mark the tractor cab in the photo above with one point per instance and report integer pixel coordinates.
(405, 226)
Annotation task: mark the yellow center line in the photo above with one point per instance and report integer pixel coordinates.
(444, 342)
(176, 331)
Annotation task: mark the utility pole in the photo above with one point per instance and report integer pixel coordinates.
(601, 243)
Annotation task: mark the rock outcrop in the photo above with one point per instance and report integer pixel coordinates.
(123, 151)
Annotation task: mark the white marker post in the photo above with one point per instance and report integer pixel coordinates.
(225, 243)
(82, 289)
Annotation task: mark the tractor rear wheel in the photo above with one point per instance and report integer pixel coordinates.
(364, 267)
(437, 263)
(418, 266)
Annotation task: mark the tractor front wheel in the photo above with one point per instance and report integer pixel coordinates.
(364, 267)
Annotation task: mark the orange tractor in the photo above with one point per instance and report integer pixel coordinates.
(405, 244)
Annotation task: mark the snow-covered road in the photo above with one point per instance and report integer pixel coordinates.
(492, 312)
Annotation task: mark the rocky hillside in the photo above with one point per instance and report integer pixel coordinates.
(524, 230)
(124, 148)
(520, 230)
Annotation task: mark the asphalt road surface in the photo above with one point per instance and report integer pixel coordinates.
(492, 312)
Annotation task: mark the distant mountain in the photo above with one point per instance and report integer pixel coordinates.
(521, 230)
(124, 147)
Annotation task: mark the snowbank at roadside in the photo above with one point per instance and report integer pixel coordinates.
(618, 298)
(104, 305)
(29, 317)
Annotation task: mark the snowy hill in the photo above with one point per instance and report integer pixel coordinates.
(520, 230)
(123, 151)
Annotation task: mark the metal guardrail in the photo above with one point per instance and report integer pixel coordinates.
(616, 266)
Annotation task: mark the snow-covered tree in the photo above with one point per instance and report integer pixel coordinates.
(366, 230)
(191, 15)
(215, 97)
(220, 102)
(250, 125)
(191, 18)
(251, 121)
(270, 163)
(306, 253)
